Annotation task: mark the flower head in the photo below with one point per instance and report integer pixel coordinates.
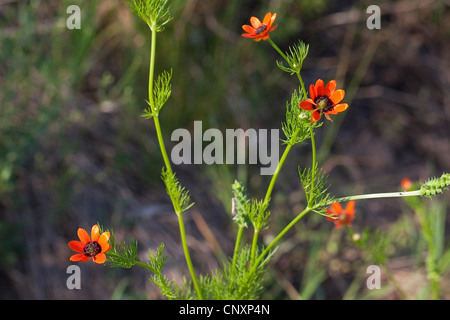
(339, 216)
(407, 184)
(259, 30)
(90, 247)
(324, 100)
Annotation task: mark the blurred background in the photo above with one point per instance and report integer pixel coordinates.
(74, 150)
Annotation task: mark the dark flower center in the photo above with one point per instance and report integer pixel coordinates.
(261, 29)
(92, 249)
(324, 103)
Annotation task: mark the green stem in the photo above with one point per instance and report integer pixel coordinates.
(314, 164)
(167, 161)
(377, 196)
(278, 237)
(151, 71)
(188, 257)
(278, 49)
(279, 166)
(146, 266)
(271, 185)
(238, 244)
(302, 84)
(161, 143)
(254, 243)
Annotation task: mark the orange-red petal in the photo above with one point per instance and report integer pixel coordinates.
(329, 88)
(312, 92)
(100, 258)
(307, 105)
(248, 29)
(83, 235)
(95, 233)
(80, 257)
(319, 87)
(255, 22)
(336, 206)
(103, 241)
(315, 116)
(267, 19)
(272, 20)
(337, 96)
(350, 209)
(76, 246)
(340, 107)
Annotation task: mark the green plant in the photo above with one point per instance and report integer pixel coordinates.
(241, 276)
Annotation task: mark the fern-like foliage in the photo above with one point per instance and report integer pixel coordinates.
(156, 262)
(314, 182)
(121, 254)
(297, 127)
(161, 93)
(180, 197)
(294, 58)
(155, 13)
(235, 281)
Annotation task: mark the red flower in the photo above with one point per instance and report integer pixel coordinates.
(93, 247)
(259, 30)
(407, 184)
(339, 216)
(324, 100)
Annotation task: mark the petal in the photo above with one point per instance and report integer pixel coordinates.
(312, 92)
(307, 105)
(248, 35)
(273, 28)
(255, 22)
(340, 107)
(83, 235)
(329, 88)
(100, 258)
(272, 20)
(76, 246)
(79, 257)
(315, 116)
(267, 18)
(103, 242)
(95, 232)
(319, 87)
(249, 29)
(337, 96)
(337, 207)
(350, 209)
